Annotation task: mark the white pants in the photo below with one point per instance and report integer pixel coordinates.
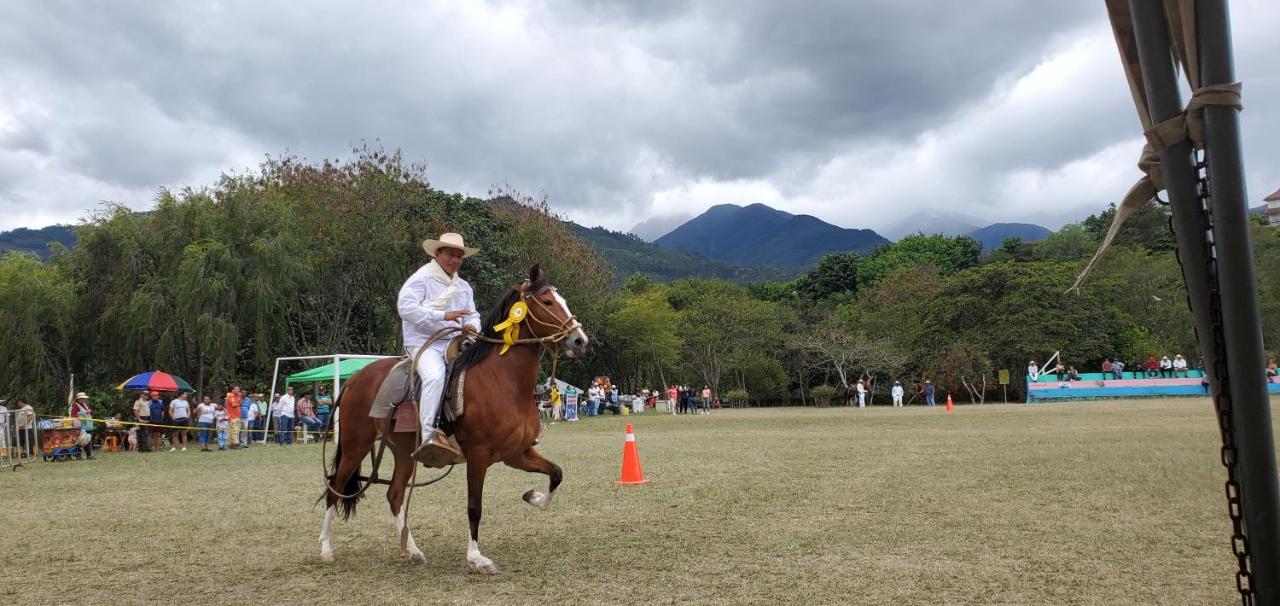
(431, 369)
(897, 400)
(862, 399)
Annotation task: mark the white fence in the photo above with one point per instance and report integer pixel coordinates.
(18, 441)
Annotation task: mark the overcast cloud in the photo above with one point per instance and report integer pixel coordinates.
(860, 113)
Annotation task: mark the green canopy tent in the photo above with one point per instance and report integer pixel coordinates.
(346, 368)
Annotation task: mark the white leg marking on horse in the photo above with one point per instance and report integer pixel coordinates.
(478, 562)
(405, 537)
(538, 499)
(326, 550)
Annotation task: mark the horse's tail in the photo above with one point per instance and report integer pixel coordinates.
(347, 504)
(351, 488)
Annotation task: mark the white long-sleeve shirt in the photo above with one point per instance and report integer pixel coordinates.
(422, 311)
(896, 391)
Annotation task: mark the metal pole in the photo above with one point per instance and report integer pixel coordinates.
(271, 398)
(1189, 227)
(1260, 491)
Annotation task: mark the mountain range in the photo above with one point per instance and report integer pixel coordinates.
(743, 244)
(757, 235)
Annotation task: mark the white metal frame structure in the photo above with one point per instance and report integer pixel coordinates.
(337, 380)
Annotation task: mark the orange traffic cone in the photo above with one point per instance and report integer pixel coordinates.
(950, 406)
(631, 473)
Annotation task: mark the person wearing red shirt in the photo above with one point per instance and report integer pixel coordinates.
(232, 401)
(1153, 367)
(672, 394)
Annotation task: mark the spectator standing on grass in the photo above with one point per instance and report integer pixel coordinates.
(252, 420)
(275, 417)
(672, 394)
(204, 420)
(156, 407)
(557, 403)
(1166, 367)
(928, 392)
(706, 399)
(142, 414)
(247, 407)
(231, 403)
(1180, 366)
(288, 408)
(613, 399)
(180, 412)
(862, 394)
(82, 413)
(896, 392)
(221, 421)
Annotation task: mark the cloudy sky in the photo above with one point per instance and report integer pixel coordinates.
(859, 112)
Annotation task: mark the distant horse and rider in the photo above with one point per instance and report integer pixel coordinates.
(500, 421)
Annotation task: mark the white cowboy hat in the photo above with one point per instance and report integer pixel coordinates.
(81, 396)
(450, 240)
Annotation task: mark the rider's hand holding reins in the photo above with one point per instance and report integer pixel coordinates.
(454, 316)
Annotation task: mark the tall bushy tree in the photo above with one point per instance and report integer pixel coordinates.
(36, 332)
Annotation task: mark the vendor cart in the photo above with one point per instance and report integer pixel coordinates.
(59, 441)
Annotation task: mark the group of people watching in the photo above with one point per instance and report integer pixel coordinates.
(236, 421)
(683, 399)
(1164, 368)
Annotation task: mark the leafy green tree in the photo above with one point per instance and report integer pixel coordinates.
(36, 334)
(949, 255)
(1147, 227)
(1071, 243)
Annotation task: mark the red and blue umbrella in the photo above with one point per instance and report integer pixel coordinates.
(156, 381)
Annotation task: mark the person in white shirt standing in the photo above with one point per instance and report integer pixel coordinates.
(180, 413)
(287, 407)
(862, 394)
(896, 392)
(434, 298)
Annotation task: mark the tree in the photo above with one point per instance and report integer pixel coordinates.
(1071, 243)
(36, 335)
(1147, 227)
(949, 255)
(643, 330)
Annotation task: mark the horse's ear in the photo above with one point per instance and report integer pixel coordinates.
(535, 272)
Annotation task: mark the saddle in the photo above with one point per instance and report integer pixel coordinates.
(397, 396)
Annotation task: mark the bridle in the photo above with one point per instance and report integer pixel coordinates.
(568, 323)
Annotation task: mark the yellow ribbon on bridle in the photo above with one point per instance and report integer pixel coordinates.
(510, 328)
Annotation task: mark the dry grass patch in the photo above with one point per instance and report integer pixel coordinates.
(1107, 502)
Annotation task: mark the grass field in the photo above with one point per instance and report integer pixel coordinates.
(1104, 502)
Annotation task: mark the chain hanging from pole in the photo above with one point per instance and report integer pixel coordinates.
(1222, 400)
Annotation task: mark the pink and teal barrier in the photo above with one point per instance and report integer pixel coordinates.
(1092, 386)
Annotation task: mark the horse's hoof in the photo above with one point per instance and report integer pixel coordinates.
(537, 499)
(417, 557)
(326, 557)
(483, 565)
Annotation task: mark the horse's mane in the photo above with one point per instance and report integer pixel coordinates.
(479, 348)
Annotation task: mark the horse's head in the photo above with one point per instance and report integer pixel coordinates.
(549, 313)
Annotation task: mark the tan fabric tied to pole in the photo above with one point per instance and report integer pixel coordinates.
(1187, 125)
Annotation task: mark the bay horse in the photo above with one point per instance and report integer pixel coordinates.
(500, 422)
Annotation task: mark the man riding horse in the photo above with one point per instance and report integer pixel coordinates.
(434, 298)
